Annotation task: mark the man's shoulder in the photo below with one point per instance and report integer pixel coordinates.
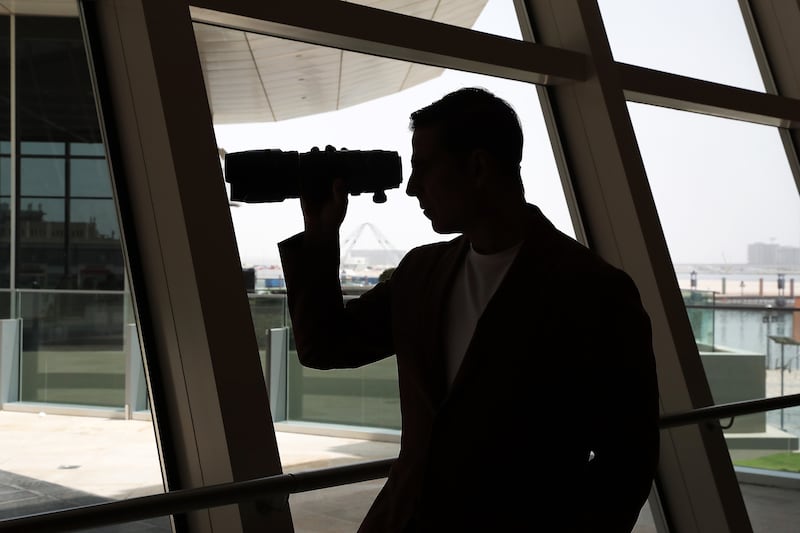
(428, 259)
(435, 250)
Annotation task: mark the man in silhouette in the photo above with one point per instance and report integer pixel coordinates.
(527, 378)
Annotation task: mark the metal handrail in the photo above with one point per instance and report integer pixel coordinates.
(273, 491)
(728, 410)
(735, 307)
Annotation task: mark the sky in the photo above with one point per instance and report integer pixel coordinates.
(718, 184)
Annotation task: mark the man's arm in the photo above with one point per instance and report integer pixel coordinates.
(624, 422)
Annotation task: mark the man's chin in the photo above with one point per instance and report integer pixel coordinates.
(442, 230)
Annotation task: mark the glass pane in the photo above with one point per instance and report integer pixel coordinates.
(42, 176)
(79, 148)
(53, 85)
(382, 123)
(5, 242)
(53, 462)
(5, 165)
(5, 176)
(722, 189)
(304, 115)
(5, 85)
(771, 509)
(76, 426)
(95, 251)
(268, 312)
(89, 177)
(770, 503)
(42, 148)
(5, 304)
(705, 40)
(72, 348)
(41, 244)
(366, 396)
(254, 78)
(496, 17)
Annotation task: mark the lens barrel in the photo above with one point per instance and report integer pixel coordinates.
(273, 175)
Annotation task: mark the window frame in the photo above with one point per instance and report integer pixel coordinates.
(187, 289)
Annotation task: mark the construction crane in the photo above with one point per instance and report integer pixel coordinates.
(350, 241)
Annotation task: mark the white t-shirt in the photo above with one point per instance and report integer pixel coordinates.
(475, 284)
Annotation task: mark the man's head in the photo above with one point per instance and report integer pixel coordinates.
(473, 118)
(467, 150)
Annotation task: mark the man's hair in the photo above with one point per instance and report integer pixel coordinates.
(473, 118)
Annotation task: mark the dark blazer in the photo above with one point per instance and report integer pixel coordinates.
(560, 368)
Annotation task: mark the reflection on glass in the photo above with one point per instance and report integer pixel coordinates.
(704, 40)
(89, 149)
(41, 148)
(366, 396)
(77, 349)
(700, 308)
(95, 255)
(89, 177)
(40, 244)
(93, 219)
(72, 348)
(5, 176)
(5, 304)
(5, 242)
(42, 176)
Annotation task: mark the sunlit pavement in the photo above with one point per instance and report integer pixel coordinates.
(118, 458)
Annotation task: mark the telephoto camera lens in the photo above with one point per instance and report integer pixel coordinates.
(273, 175)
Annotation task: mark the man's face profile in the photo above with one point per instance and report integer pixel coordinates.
(439, 180)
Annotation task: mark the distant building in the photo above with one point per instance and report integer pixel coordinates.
(771, 254)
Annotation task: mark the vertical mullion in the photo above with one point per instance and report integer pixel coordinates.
(13, 201)
(67, 210)
(773, 29)
(696, 482)
(208, 394)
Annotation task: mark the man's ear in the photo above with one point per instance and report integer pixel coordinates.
(482, 166)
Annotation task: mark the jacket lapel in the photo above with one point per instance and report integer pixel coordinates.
(436, 298)
(526, 266)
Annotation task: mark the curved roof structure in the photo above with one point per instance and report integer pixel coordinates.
(257, 78)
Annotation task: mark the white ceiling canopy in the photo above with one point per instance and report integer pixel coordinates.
(256, 78)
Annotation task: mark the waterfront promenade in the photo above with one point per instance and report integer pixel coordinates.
(748, 284)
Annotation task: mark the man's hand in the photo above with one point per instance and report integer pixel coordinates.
(326, 215)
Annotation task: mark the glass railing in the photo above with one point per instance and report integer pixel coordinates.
(700, 308)
(72, 347)
(364, 397)
(73, 351)
(268, 311)
(750, 350)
